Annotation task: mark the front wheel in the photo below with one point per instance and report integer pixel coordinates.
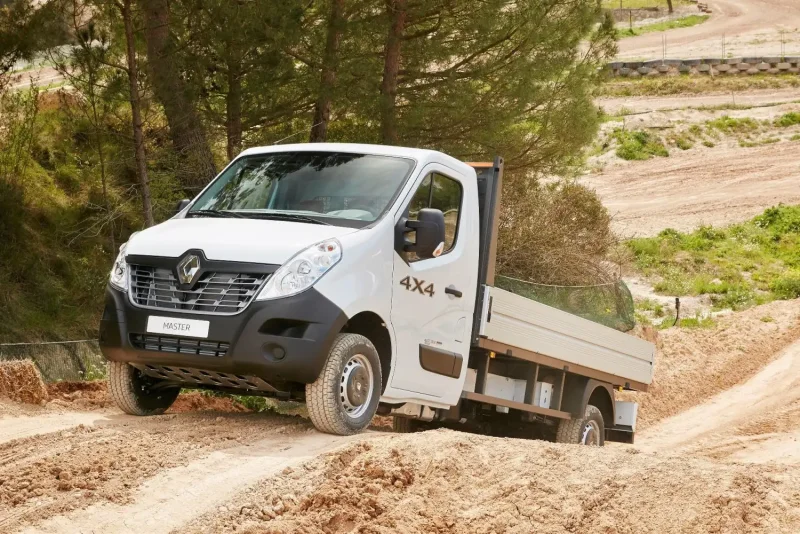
(587, 430)
(343, 399)
(136, 393)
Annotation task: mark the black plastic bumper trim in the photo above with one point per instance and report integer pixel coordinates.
(240, 345)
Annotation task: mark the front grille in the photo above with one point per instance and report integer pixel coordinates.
(214, 292)
(200, 377)
(179, 345)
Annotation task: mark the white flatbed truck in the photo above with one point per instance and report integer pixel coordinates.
(359, 279)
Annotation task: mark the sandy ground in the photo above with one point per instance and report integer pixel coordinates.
(720, 186)
(717, 451)
(760, 97)
(749, 27)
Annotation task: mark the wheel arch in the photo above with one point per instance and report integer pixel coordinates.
(373, 327)
(581, 391)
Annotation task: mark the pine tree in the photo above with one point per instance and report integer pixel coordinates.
(186, 129)
(238, 66)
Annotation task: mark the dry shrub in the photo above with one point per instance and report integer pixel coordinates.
(20, 381)
(553, 233)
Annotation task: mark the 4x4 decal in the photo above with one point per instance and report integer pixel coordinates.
(407, 281)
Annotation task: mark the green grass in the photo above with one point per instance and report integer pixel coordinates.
(634, 4)
(737, 266)
(729, 125)
(652, 306)
(695, 322)
(789, 119)
(638, 144)
(684, 22)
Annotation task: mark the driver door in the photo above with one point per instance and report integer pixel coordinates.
(433, 298)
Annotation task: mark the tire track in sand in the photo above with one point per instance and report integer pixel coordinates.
(175, 496)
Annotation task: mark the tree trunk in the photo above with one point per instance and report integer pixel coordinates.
(136, 114)
(185, 128)
(669, 6)
(330, 63)
(397, 10)
(233, 109)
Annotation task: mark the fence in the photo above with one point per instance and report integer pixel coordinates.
(710, 67)
(59, 360)
(608, 304)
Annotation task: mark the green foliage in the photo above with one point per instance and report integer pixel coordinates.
(738, 266)
(474, 80)
(695, 322)
(26, 27)
(787, 287)
(638, 144)
(683, 22)
(789, 119)
(729, 125)
(779, 220)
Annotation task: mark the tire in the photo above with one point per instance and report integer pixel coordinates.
(345, 396)
(586, 430)
(133, 391)
(405, 425)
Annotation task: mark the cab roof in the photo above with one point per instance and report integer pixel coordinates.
(421, 156)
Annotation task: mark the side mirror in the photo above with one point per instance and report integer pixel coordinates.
(430, 235)
(182, 205)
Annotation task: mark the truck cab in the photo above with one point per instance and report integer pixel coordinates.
(351, 277)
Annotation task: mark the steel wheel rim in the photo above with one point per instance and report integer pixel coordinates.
(355, 386)
(591, 434)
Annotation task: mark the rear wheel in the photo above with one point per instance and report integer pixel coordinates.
(587, 430)
(405, 425)
(136, 393)
(343, 399)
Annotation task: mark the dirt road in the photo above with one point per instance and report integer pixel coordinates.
(175, 496)
(719, 187)
(750, 27)
(763, 97)
(715, 428)
(731, 464)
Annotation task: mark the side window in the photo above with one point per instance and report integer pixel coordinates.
(442, 193)
(446, 196)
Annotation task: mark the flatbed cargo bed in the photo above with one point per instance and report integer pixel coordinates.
(518, 326)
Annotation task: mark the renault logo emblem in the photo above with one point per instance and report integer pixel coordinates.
(188, 268)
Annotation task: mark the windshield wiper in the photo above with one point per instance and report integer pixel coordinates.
(216, 213)
(289, 217)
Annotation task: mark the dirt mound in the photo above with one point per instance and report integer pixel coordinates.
(94, 395)
(51, 473)
(193, 401)
(20, 381)
(445, 481)
(80, 395)
(693, 365)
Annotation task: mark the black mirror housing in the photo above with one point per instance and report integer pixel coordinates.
(182, 205)
(430, 233)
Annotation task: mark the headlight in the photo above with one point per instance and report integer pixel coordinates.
(303, 270)
(119, 272)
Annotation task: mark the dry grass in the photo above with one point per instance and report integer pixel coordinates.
(20, 381)
(556, 233)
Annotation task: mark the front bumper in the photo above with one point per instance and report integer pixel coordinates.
(281, 342)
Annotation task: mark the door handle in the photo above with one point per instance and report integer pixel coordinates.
(450, 290)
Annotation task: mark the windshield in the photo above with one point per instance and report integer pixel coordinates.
(326, 187)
